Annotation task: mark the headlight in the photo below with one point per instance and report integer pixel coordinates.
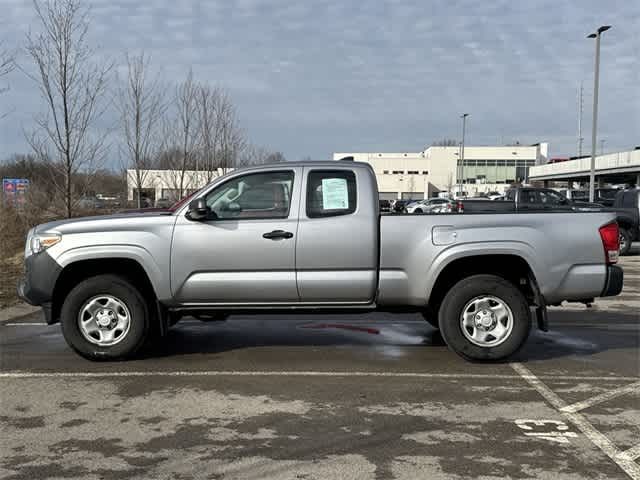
(41, 242)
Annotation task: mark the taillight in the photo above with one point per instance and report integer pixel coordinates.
(610, 235)
(460, 207)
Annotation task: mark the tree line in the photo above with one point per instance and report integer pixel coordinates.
(193, 125)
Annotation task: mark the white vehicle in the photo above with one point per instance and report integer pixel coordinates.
(430, 205)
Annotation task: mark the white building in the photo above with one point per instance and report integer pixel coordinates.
(166, 184)
(439, 169)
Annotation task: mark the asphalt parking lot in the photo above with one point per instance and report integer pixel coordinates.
(317, 397)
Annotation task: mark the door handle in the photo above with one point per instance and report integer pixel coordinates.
(274, 235)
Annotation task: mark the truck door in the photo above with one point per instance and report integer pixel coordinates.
(337, 243)
(529, 199)
(245, 252)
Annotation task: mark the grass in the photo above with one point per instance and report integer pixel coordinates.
(11, 268)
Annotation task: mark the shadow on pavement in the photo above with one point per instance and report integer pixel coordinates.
(572, 333)
(191, 337)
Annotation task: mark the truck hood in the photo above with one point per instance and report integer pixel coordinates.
(102, 222)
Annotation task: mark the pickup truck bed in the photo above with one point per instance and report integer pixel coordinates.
(309, 237)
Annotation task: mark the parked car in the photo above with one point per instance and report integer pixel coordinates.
(384, 205)
(306, 237)
(528, 198)
(431, 205)
(603, 196)
(400, 206)
(627, 209)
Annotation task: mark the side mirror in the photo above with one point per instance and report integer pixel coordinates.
(198, 209)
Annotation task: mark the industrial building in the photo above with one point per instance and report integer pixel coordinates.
(169, 184)
(440, 169)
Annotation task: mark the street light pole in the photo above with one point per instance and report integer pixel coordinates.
(464, 125)
(594, 126)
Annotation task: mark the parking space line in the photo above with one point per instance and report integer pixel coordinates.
(590, 402)
(22, 324)
(632, 453)
(293, 373)
(598, 439)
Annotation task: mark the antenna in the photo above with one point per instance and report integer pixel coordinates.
(580, 105)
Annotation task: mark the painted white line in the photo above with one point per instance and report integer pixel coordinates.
(285, 373)
(598, 439)
(632, 453)
(24, 324)
(611, 394)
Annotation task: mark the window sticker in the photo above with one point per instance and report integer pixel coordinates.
(334, 194)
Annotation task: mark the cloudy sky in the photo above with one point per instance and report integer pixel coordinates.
(313, 77)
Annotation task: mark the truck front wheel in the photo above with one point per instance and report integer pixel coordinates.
(105, 318)
(484, 317)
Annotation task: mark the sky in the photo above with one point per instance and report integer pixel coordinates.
(310, 78)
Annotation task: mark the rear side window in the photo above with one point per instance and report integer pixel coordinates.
(528, 196)
(331, 193)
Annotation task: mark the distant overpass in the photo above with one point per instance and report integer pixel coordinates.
(621, 167)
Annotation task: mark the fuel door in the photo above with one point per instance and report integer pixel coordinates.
(444, 235)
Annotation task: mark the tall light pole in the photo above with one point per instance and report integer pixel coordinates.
(594, 126)
(464, 126)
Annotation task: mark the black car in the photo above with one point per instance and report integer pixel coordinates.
(385, 206)
(401, 205)
(627, 208)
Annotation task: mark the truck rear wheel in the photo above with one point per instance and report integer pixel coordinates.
(484, 317)
(625, 241)
(105, 318)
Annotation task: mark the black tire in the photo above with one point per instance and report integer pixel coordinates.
(464, 292)
(119, 288)
(625, 241)
(417, 210)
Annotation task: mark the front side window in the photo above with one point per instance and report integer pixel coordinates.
(331, 193)
(549, 197)
(256, 195)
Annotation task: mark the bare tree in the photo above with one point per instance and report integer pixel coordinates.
(222, 140)
(253, 155)
(275, 157)
(141, 105)
(7, 64)
(72, 87)
(182, 134)
(209, 105)
(232, 137)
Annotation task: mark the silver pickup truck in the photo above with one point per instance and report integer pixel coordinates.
(309, 237)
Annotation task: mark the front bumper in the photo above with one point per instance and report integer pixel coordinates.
(614, 282)
(39, 280)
